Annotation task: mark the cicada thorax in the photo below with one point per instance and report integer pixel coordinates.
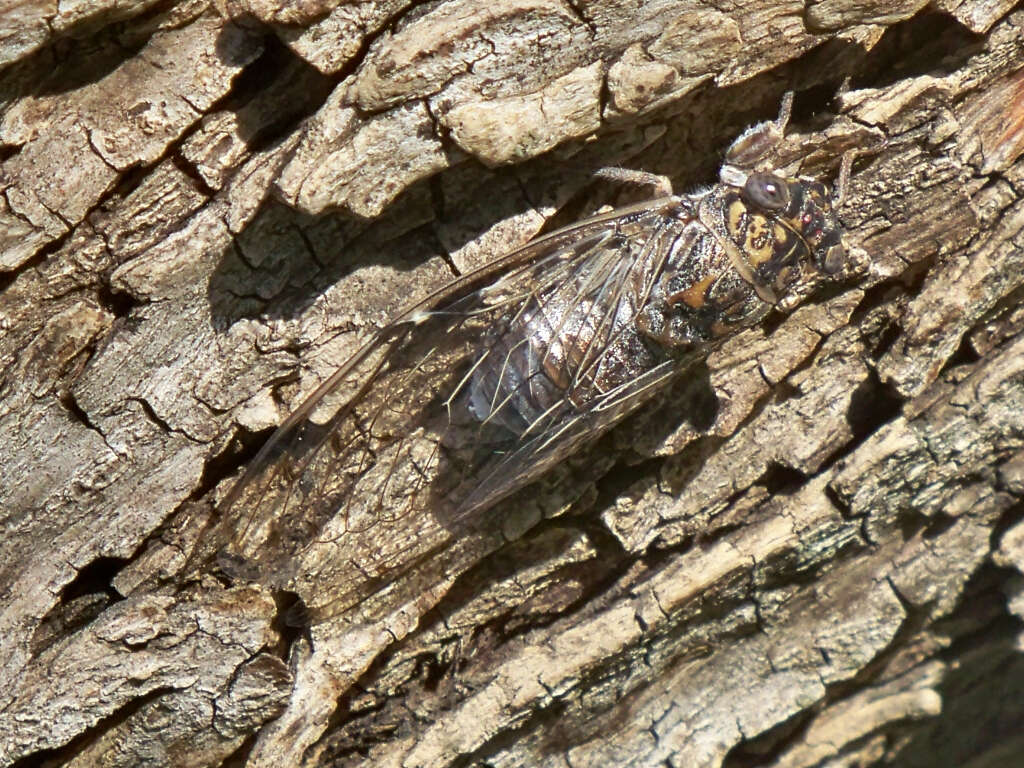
(781, 248)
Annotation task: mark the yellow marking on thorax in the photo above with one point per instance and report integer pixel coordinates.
(759, 244)
(733, 218)
(696, 295)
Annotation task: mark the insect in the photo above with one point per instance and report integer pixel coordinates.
(485, 385)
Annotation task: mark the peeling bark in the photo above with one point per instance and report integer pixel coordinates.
(808, 553)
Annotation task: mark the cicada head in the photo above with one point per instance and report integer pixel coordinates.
(787, 233)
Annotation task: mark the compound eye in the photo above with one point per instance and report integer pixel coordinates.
(766, 191)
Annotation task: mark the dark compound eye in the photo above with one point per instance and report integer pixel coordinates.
(766, 191)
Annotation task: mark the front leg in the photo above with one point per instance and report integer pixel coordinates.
(754, 145)
(660, 185)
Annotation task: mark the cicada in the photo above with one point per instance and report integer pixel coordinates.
(481, 388)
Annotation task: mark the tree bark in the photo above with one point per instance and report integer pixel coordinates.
(809, 553)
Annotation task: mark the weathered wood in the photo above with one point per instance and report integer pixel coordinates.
(809, 553)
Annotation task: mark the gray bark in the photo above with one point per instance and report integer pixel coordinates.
(208, 206)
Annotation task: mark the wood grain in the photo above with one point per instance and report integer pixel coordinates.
(809, 554)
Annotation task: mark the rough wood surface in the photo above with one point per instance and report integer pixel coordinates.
(811, 553)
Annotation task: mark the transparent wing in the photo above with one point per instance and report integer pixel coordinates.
(461, 400)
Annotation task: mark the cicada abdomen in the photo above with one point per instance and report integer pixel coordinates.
(484, 386)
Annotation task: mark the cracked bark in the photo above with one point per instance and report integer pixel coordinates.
(809, 554)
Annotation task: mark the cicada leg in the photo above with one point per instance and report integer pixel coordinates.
(843, 179)
(659, 185)
(755, 144)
